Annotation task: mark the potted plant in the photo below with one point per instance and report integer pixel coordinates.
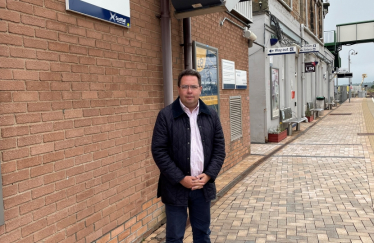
(277, 134)
(308, 114)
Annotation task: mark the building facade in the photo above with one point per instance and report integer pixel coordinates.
(79, 98)
(294, 24)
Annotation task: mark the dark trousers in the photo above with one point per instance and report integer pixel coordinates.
(176, 217)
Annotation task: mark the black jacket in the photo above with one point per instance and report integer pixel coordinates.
(171, 151)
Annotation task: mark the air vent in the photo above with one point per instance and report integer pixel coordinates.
(236, 117)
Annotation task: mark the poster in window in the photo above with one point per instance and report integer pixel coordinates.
(205, 60)
(274, 92)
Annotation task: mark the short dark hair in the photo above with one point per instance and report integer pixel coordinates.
(189, 72)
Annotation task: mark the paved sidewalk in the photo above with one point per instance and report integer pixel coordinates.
(315, 186)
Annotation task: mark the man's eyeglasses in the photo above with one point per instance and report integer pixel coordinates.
(192, 87)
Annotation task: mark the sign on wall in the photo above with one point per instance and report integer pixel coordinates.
(308, 48)
(310, 67)
(205, 61)
(282, 51)
(241, 79)
(274, 92)
(113, 11)
(228, 74)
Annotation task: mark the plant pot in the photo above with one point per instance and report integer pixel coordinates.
(310, 118)
(276, 138)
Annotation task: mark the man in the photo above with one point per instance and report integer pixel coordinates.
(189, 149)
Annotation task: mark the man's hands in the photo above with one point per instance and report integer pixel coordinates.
(195, 182)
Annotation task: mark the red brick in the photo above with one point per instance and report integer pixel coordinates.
(64, 164)
(46, 13)
(29, 162)
(28, 118)
(52, 116)
(62, 105)
(46, 34)
(12, 85)
(66, 18)
(63, 145)
(76, 113)
(74, 133)
(55, 136)
(16, 177)
(55, 95)
(11, 63)
(9, 108)
(39, 106)
(41, 170)
(17, 200)
(71, 77)
(37, 65)
(14, 131)
(42, 148)
(46, 55)
(31, 20)
(83, 122)
(11, 237)
(55, 197)
(89, 95)
(37, 86)
(46, 210)
(69, 58)
(8, 167)
(25, 96)
(31, 228)
(63, 125)
(5, 97)
(35, 43)
(45, 232)
(86, 42)
(56, 176)
(60, 67)
(20, 7)
(10, 15)
(78, 49)
(21, 29)
(31, 206)
(8, 144)
(74, 152)
(41, 191)
(25, 75)
(50, 157)
(29, 140)
(60, 47)
(22, 52)
(53, 25)
(50, 76)
(40, 128)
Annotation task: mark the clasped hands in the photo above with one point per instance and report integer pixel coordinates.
(195, 182)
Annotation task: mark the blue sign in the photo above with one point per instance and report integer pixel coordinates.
(114, 11)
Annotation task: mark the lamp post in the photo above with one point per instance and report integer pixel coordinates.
(351, 52)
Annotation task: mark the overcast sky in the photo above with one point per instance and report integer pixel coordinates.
(348, 11)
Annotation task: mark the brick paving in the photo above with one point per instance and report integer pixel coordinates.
(315, 186)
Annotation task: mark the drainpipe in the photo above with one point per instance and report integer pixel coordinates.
(166, 52)
(187, 43)
(302, 73)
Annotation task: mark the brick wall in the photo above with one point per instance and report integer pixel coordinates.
(79, 98)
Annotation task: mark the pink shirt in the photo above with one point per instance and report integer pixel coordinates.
(197, 152)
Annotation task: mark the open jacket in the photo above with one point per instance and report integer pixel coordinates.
(171, 151)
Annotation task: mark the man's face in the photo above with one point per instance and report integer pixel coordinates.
(189, 91)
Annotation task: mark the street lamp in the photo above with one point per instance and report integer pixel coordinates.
(351, 52)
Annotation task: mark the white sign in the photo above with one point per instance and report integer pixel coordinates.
(228, 74)
(241, 79)
(309, 48)
(282, 50)
(113, 11)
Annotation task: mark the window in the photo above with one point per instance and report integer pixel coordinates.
(236, 117)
